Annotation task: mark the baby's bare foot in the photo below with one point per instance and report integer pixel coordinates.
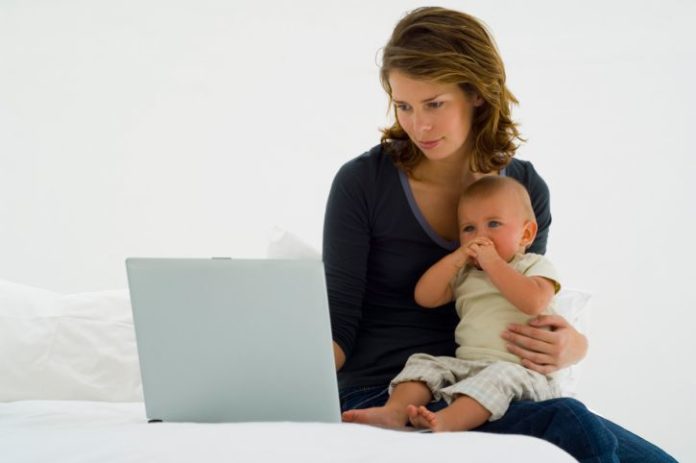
(421, 417)
(376, 416)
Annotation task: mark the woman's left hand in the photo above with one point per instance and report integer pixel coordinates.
(546, 344)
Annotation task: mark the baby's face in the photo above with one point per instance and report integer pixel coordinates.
(498, 217)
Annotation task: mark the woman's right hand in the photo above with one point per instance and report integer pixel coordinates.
(339, 356)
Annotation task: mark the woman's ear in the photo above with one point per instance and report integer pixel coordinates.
(473, 95)
(528, 233)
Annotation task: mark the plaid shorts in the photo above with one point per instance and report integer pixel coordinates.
(492, 384)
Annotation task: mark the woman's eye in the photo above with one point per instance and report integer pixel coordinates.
(435, 104)
(402, 107)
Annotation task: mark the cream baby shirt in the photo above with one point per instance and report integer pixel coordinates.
(484, 312)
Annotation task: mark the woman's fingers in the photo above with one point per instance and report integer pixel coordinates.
(531, 348)
(540, 362)
(540, 349)
(532, 356)
(525, 334)
(552, 321)
(544, 369)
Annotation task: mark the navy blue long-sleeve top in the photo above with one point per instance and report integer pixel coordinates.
(376, 246)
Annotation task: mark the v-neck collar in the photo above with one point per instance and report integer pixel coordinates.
(440, 241)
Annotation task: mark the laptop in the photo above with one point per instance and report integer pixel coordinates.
(233, 340)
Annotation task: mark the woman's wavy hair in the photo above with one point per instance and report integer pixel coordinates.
(447, 46)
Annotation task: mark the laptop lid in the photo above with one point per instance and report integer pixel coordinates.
(232, 340)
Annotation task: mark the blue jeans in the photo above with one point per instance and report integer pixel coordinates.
(564, 422)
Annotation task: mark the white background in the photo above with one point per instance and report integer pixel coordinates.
(191, 128)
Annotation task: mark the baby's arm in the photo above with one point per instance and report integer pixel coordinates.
(433, 289)
(531, 295)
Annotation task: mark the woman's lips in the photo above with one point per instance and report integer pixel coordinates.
(428, 145)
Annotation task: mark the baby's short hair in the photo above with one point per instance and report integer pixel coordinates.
(492, 184)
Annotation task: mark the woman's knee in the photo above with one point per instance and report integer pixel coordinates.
(579, 431)
(570, 405)
(572, 410)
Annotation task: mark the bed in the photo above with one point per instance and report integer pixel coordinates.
(70, 391)
(81, 431)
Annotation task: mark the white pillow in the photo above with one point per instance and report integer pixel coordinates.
(72, 347)
(82, 346)
(570, 303)
(285, 245)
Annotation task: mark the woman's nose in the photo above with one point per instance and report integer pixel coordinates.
(422, 123)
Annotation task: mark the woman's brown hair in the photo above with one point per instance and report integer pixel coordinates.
(451, 47)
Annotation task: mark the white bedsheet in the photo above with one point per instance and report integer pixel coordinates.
(76, 432)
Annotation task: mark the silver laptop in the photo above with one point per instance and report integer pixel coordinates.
(228, 340)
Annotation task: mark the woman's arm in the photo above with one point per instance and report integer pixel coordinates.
(540, 349)
(524, 172)
(345, 250)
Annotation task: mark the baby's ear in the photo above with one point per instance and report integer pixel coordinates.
(528, 233)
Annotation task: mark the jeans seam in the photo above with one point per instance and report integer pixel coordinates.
(372, 397)
(584, 432)
(356, 390)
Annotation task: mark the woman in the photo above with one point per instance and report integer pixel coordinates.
(391, 214)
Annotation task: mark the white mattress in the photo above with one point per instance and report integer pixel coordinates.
(76, 432)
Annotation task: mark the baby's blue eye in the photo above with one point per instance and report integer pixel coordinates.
(468, 229)
(494, 224)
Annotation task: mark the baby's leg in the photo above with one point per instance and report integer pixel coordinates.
(393, 414)
(461, 415)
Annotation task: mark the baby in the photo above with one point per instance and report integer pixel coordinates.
(494, 284)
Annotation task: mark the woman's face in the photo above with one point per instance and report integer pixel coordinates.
(437, 117)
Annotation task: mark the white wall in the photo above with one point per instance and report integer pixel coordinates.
(191, 128)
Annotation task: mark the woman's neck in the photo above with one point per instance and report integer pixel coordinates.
(453, 172)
